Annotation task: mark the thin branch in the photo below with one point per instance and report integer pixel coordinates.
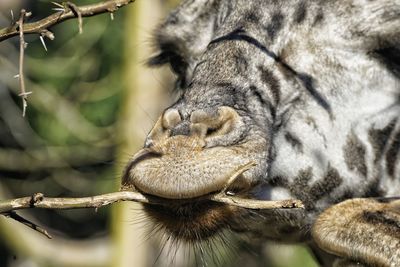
(18, 218)
(68, 203)
(8, 207)
(42, 25)
(237, 174)
(22, 46)
(75, 9)
(39, 201)
(258, 204)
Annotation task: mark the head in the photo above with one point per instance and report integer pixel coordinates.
(219, 125)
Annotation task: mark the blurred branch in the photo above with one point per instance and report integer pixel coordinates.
(18, 218)
(19, 127)
(62, 109)
(77, 13)
(69, 11)
(33, 159)
(93, 252)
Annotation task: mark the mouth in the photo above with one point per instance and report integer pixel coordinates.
(197, 218)
(189, 172)
(194, 192)
(184, 208)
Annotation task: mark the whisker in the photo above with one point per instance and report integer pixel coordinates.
(163, 246)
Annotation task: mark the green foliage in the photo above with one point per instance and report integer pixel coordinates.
(72, 111)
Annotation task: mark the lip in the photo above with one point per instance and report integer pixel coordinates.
(188, 172)
(183, 189)
(233, 187)
(143, 154)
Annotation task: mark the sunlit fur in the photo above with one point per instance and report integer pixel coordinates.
(308, 90)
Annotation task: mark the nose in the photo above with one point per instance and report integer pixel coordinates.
(204, 124)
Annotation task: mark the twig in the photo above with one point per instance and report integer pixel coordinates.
(48, 34)
(22, 46)
(78, 14)
(69, 203)
(15, 216)
(39, 201)
(237, 174)
(8, 207)
(258, 204)
(44, 24)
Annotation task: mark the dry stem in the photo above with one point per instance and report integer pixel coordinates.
(75, 9)
(18, 218)
(8, 207)
(39, 201)
(22, 45)
(69, 10)
(42, 26)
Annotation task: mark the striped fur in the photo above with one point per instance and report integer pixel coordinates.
(314, 87)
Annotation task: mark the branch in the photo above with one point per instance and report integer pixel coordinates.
(41, 26)
(8, 207)
(39, 201)
(22, 46)
(258, 204)
(18, 218)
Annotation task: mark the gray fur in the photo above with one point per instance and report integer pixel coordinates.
(312, 81)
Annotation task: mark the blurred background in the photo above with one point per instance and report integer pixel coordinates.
(93, 101)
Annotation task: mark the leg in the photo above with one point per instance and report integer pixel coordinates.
(362, 230)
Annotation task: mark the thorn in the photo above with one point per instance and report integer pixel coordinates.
(28, 14)
(112, 16)
(12, 15)
(58, 9)
(25, 45)
(24, 106)
(58, 4)
(43, 42)
(16, 76)
(25, 94)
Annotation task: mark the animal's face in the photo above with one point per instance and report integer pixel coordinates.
(274, 85)
(211, 133)
(192, 156)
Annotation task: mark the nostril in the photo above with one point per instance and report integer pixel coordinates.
(211, 131)
(163, 126)
(217, 123)
(171, 118)
(223, 128)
